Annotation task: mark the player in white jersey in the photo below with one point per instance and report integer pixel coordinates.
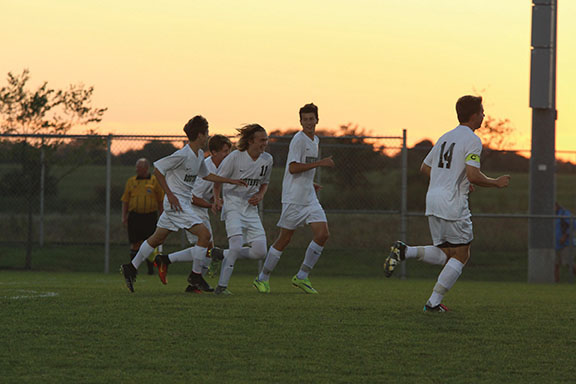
(240, 205)
(176, 174)
(453, 166)
(202, 193)
(300, 204)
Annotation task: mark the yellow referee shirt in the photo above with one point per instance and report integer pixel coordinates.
(143, 195)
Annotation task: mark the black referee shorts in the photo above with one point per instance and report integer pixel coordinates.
(141, 226)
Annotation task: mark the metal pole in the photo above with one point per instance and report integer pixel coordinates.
(541, 250)
(404, 198)
(42, 192)
(108, 189)
(570, 251)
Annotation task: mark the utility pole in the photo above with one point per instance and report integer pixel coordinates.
(541, 253)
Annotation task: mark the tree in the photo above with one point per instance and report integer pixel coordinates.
(39, 112)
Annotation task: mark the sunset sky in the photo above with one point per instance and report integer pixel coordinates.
(385, 65)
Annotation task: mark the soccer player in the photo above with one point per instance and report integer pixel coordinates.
(300, 204)
(202, 194)
(176, 174)
(453, 166)
(240, 205)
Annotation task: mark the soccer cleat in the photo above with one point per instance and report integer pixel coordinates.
(216, 255)
(192, 289)
(438, 308)
(261, 286)
(197, 281)
(161, 262)
(129, 272)
(222, 291)
(303, 284)
(396, 256)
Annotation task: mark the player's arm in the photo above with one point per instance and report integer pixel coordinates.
(172, 199)
(425, 169)
(217, 204)
(296, 167)
(219, 179)
(259, 196)
(200, 202)
(475, 176)
(125, 212)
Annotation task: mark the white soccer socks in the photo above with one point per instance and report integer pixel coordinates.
(198, 254)
(313, 253)
(183, 256)
(269, 264)
(451, 272)
(143, 253)
(428, 254)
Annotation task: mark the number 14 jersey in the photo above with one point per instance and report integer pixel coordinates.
(447, 196)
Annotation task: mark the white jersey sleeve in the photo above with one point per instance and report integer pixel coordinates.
(181, 170)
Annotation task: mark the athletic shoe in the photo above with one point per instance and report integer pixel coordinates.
(161, 262)
(197, 281)
(216, 255)
(129, 272)
(192, 289)
(222, 291)
(397, 255)
(303, 284)
(261, 286)
(438, 308)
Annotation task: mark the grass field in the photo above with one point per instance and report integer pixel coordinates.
(81, 327)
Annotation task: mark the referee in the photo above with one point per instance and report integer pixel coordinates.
(141, 206)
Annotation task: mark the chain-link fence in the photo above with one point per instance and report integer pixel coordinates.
(66, 190)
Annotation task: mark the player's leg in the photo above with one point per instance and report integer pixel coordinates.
(458, 256)
(313, 252)
(274, 254)
(454, 237)
(235, 243)
(130, 270)
(198, 256)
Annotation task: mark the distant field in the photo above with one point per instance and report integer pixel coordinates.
(85, 327)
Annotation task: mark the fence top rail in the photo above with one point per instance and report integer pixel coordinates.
(170, 137)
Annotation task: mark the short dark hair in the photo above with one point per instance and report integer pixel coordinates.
(309, 108)
(246, 133)
(194, 126)
(466, 106)
(217, 142)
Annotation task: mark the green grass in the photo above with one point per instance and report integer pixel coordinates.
(359, 329)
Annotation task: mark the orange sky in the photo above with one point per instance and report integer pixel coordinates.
(384, 65)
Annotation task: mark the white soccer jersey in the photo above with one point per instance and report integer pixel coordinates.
(181, 170)
(298, 188)
(204, 188)
(447, 196)
(239, 165)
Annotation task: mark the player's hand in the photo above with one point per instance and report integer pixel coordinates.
(125, 221)
(327, 162)
(317, 187)
(254, 200)
(238, 182)
(174, 202)
(503, 181)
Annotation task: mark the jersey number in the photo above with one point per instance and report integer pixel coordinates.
(263, 170)
(446, 157)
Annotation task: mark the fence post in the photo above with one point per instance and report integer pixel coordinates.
(108, 189)
(570, 251)
(42, 192)
(404, 199)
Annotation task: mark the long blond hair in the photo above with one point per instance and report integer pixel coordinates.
(246, 133)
